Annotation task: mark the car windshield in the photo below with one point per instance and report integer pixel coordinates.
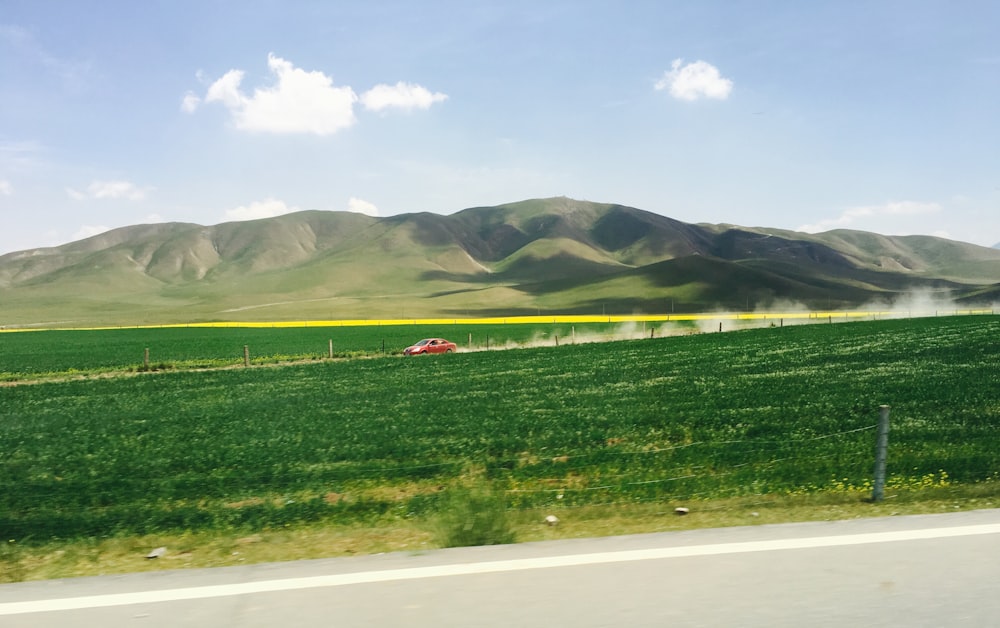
(422, 342)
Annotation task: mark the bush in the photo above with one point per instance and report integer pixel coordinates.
(473, 516)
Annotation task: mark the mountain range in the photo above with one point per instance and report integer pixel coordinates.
(543, 256)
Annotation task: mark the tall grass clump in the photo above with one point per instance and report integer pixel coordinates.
(473, 515)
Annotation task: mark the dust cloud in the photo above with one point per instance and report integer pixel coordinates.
(914, 304)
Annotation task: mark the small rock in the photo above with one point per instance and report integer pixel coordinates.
(681, 511)
(159, 551)
(552, 520)
(755, 514)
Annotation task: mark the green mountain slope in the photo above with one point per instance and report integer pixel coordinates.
(556, 255)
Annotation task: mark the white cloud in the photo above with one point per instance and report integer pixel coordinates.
(152, 219)
(110, 190)
(303, 102)
(402, 95)
(6, 189)
(227, 90)
(190, 102)
(87, 231)
(268, 208)
(867, 213)
(298, 102)
(694, 81)
(360, 206)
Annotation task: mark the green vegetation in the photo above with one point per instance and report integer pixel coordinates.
(55, 353)
(766, 412)
(473, 515)
(555, 256)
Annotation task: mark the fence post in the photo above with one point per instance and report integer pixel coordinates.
(330, 353)
(881, 451)
(145, 359)
(246, 355)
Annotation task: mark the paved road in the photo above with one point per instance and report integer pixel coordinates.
(931, 570)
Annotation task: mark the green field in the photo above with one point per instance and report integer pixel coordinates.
(765, 411)
(26, 355)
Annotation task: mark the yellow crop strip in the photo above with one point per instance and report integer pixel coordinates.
(830, 316)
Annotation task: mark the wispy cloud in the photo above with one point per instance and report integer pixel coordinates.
(6, 189)
(100, 190)
(402, 95)
(695, 80)
(190, 102)
(20, 156)
(268, 208)
(854, 215)
(25, 46)
(360, 206)
(301, 101)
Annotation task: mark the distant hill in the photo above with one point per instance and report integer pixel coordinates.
(554, 255)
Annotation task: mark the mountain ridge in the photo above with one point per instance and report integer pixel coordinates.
(558, 254)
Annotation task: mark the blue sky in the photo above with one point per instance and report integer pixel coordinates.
(875, 115)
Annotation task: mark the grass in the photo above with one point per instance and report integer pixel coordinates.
(48, 354)
(190, 550)
(363, 456)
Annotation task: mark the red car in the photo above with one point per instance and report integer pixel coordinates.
(431, 345)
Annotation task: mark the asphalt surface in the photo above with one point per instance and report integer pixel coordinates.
(928, 570)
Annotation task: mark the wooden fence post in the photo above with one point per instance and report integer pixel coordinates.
(881, 452)
(145, 359)
(246, 355)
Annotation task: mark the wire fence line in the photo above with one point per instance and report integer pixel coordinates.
(501, 471)
(341, 491)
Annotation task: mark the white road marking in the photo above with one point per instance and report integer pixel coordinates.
(574, 560)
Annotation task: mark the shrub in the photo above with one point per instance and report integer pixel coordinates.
(473, 515)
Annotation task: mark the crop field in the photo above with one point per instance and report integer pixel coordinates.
(26, 354)
(54, 352)
(769, 410)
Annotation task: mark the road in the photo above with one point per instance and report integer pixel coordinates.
(928, 570)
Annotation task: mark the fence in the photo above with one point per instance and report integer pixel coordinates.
(697, 470)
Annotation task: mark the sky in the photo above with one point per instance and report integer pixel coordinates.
(874, 115)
